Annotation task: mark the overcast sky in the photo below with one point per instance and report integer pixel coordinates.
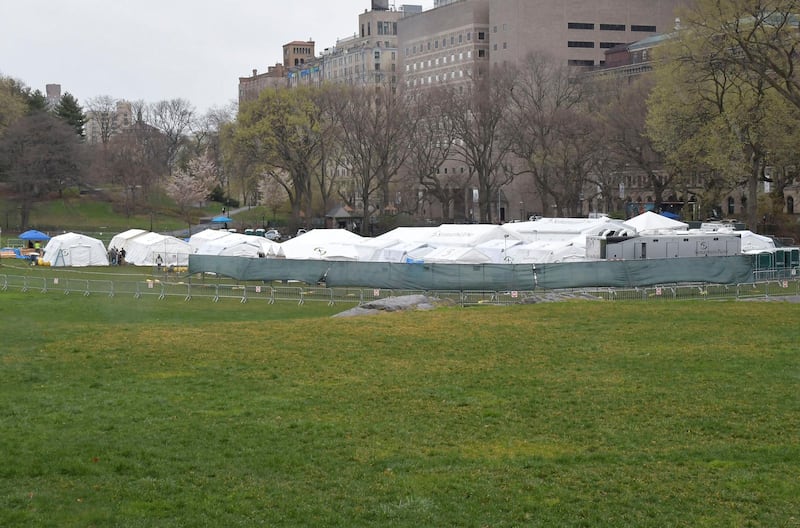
(152, 50)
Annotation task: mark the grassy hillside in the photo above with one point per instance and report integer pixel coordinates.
(161, 413)
(98, 214)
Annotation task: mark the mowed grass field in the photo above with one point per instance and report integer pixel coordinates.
(147, 413)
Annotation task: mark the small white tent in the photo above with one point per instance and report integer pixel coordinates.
(145, 249)
(650, 222)
(74, 249)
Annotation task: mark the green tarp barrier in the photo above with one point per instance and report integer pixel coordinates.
(481, 277)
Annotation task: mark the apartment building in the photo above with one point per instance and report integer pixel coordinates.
(251, 87)
(460, 39)
(368, 57)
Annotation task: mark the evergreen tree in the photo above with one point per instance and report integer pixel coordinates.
(37, 102)
(69, 111)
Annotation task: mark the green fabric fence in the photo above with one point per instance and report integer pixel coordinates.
(493, 277)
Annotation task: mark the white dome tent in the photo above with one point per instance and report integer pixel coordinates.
(120, 240)
(74, 249)
(145, 249)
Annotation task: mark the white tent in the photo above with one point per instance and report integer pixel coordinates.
(466, 235)
(650, 222)
(566, 228)
(239, 245)
(120, 241)
(145, 249)
(327, 244)
(197, 240)
(546, 251)
(402, 252)
(755, 243)
(73, 249)
(497, 249)
(457, 255)
(408, 234)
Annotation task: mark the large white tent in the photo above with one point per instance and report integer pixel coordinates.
(74, 249)
(120, 240)
(323, 244)
(466, 235)
(198, 240)
(497, 249)
(456, 255)
(145, 250)
(566, 228)
(239, 245)
(403, 252)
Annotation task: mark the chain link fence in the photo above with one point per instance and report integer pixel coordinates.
(300, 293)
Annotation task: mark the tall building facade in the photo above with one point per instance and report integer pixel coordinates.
(460, 40)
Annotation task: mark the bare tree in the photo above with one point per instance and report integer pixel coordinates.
(134, 160)
(102, 111)
(433, 139)
(622, 110)
(478, 116)
(375, 135)
(551, 132)
(174, 118)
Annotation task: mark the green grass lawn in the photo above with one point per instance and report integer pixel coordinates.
(128, 413)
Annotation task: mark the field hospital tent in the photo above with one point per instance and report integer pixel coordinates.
(497, 249)
(120, 241)
(755, 243)
(198, 240)
(549, 251)
(403, 252)
(567, 228)
(650, 222)
(73, 249)
(323, 244)
(240, 245)
(145, 249)
(456, 255)
(466, 235)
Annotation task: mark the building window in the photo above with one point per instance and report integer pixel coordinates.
(581, 25)
(607, 45)
(469, 35)
(377, 55)
(731, 205)
(436, 44)
(481, 53)
(460, 38)
(580, 44)
(574, 62)
(612, 27)
(495, 47)
(481, 35)
(647, 29)
(505, 45)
